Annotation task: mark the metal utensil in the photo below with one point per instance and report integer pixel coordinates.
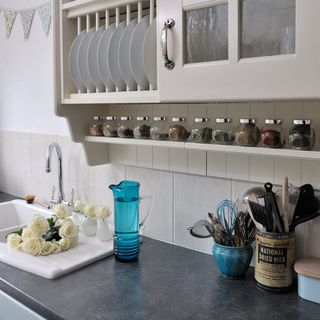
(202, 229)
(256, 192)
(227, 214)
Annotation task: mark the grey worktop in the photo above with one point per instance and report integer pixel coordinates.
(168, 282)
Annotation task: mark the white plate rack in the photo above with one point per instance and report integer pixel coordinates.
(83, 16)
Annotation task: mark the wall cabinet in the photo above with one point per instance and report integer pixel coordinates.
(240, 50)
(202, 51)
(222, 50)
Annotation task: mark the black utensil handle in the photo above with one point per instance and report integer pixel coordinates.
(268, 186)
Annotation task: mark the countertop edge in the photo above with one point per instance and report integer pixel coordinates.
(28, 301)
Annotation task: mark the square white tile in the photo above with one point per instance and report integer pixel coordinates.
(157, 184)
(195, 196)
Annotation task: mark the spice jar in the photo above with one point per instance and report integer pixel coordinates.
(159, 129)
(301, 135)
(95, 128)
(178, 129)
(142, 128)
(125, 127)
(200, 132)
(109, 127)
(247, 133)
(271, 134)
(223, 134)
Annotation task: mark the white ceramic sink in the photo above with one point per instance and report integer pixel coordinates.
(16, 214)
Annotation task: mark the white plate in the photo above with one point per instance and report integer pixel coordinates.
(150, 54)
(136, 53)
(83, 60)
(113, 57)
(103, 58)
(124, 55)
(93, 59)
(73, 62)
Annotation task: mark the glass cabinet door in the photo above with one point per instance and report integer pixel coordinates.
(267, 27)
(206, 34)
(231, 50)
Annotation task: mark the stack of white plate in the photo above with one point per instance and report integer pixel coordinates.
(115, 57)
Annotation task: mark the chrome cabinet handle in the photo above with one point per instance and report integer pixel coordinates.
(168, 24)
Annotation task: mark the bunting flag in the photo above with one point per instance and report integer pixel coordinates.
(26, 19)
(9, 18)
(27, 15)
(45, 16)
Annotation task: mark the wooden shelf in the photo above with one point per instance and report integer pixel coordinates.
(287, 153)
(113, 97)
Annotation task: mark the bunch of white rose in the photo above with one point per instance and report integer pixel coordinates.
(44, 236)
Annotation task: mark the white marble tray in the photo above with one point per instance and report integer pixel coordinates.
(15, 214)
(87, 251)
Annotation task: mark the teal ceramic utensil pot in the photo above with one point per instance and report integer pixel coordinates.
(232, 262)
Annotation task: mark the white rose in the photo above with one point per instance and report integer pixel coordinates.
(90, 212)
(56, 247)
(27, 233)
(13, 240)
(79, 206)
(68, 229)
(19, 247)
(64, 244)
(47, 248)
(32, 246)
(61, 211)
(74, 241)
(103, 212)
(38, 225)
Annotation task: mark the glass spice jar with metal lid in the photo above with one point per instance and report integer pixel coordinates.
(301, 135)
(200, 132)
(271, 134)
(159, 129)
(179, 129)
(223, 132)
(247, 133)
(142, 128)
(95, 128)
(125, 127)
(110, 126)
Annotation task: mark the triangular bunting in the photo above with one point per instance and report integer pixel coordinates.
(45, 16)
(9, 17)
(26, 19)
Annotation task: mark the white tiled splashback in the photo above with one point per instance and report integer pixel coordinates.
(179, 198)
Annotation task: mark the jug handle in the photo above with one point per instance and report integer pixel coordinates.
(141, 224)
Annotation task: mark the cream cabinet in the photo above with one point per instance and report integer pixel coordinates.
(204, 51)
(226, 50)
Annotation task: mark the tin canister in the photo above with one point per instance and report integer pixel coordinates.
(274, 260)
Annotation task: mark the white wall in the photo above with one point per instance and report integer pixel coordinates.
(26, 76)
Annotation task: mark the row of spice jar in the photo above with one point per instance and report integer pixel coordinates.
(301, 135)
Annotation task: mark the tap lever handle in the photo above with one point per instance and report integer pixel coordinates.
(53, 191)
(72, 197)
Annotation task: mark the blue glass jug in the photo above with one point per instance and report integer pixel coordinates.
(126, 240)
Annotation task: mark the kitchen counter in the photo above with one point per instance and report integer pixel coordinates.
(168, 282)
